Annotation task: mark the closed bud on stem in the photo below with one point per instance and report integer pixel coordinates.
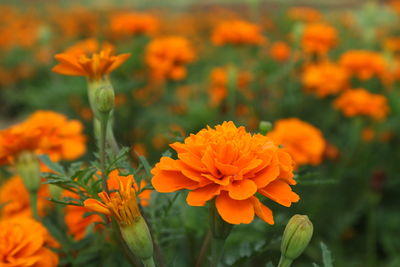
(28, 168)
(101, 98)
(296, 237)
(264, 127)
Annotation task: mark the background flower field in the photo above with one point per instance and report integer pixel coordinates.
(322, 81)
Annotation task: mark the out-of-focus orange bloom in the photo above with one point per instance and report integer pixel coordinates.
(368, 134)
(319, 38)
(167, 57)
(88, 58)
(120, 100)
(392, 44)
(361, 102)
(130, 23)
(331, 152)
(395, 5)
(363, 64)
(44, 132)
(219, 85)
(15, 198)
(280, 51)
(325, 79)
(25, 242)
(304, 142)
(305, 14)
(237, 32)
(231, 165)
(139, 149)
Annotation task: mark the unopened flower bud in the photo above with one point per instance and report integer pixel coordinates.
(297, 235)
(264, 127)
(28, 168)
(101, 97)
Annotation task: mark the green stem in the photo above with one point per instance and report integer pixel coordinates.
(217, 249)
(372, 227)
(204, 248)
(33, 202)
(284, 262)
(103, 138)
(149, 262)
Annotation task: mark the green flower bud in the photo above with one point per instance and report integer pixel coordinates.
(28, 168)
(101, 97)
(297, 235)
(264, 127)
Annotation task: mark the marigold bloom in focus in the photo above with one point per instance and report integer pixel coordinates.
(363, 64)
(130, 23)
(305, 14)
(280, 51)
(44, 132)
(14, 199)
(88, 58)
(324, 79)
(304, 142)
(230, 165)
(167, 57)
(25, 242)
(361, 102)
(237, 32)
(318, 38)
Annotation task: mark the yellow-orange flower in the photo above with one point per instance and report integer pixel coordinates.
(280, 51)
(318, 38)
(324, 79)
(361, 102)
(44, 132)
(121, 203)
(304, 142)
(130, 23)
(237, 32)
(88, 58)
(363, 64)
(167, 57)
(305, 14)
(14, 199)
(25, 242)
(231, 165)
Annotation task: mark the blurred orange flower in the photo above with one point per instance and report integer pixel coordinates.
(130, 23)
(88, 58)
(44, 132)
(14, 199)
(363, 64)
(25, 242)
(237, 32)
(304, 142)
(280, 51)
(325, 79)
(361, 102)
(305, 14)
(230, 165)
(392, 44)
(167, 57)
(319, 38)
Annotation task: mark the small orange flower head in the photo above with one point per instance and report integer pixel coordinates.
(25, 242)
(304, 14)
(363, 64)
(88, 58)
(237, 32)
(361, 102)
(319, 38)
(231, 165)
(129, 23)
(304, 142)
(280, 51)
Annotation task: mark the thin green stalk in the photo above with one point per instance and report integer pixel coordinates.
(33, 202)
(217, 249)
(284, 262)
(149, 262)
(103, 138)
(372, 229)
(204, 248)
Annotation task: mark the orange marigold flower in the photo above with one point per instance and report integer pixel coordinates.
(318, 38)
(325, 79)
(167, 57)
(304, 142)
(219, 85)
(361, 102)
(231, 165)
(44, 132)
(14, 199)
(25, 242)
(280, 51)
(130, 23)
(363, 64)
(392, 44)
(305, 14)
(237, 32)
(121, 202)
(88, 58)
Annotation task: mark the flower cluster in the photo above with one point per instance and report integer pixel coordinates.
(319, 38)
(363, 64)
(237, 32)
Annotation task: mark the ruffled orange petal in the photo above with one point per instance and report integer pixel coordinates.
(95, 205)
(199, 197)
(118, 62)
(234, 211)
(266, 176)
(280, 192)
(262, 211)
(243, 189)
